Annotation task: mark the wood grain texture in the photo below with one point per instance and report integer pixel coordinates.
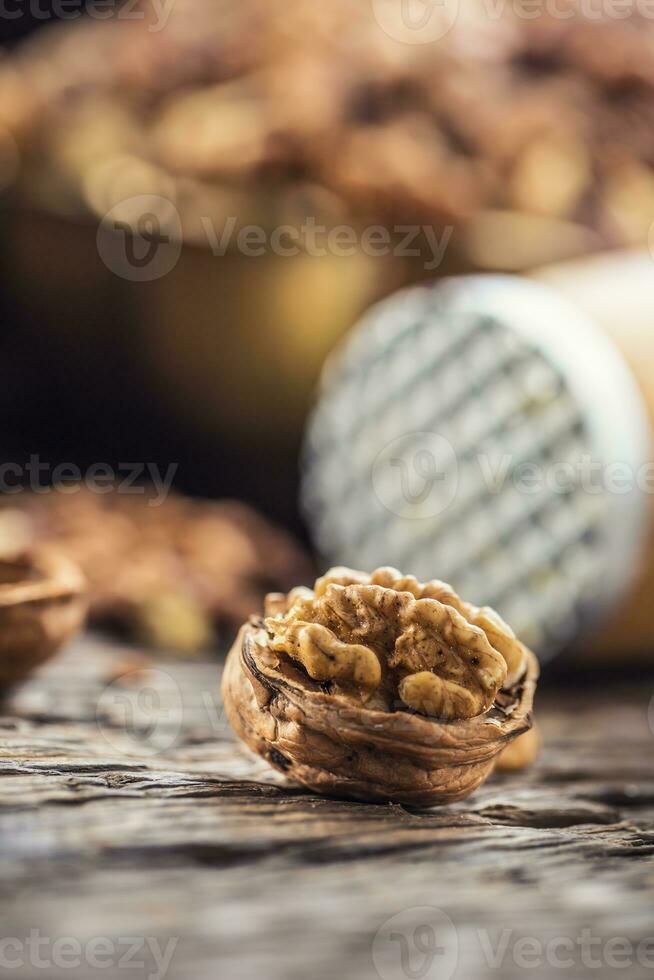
(127, 809)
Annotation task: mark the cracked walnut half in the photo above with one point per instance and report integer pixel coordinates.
(379, 687)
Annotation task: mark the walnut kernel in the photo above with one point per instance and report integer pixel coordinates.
(441, 655)
(372, 687)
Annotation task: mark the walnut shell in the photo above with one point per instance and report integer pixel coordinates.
(42, 603)
(335, 746)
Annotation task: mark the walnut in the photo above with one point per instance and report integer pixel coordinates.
(326, 658)
(499, 634)
(173, 621)
(42, 603)
(174, 575)
(379, 687)
(350, 633)
(510, 118)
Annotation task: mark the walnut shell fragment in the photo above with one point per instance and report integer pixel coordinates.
(42, 604)
(348, 690)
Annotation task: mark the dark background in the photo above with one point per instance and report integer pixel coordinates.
(86, 402)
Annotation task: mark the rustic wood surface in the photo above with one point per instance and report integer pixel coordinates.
(129, 812)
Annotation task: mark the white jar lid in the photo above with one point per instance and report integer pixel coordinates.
(483, 431)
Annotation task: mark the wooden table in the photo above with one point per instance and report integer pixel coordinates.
(131, 821)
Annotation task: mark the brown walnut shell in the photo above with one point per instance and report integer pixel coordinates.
(333, 746)
(42, 603)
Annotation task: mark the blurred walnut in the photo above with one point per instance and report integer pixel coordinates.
(521, 753)
(42, 604)
(173, 574)
(379, 687)
(519, 113)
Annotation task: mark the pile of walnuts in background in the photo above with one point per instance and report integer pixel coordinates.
(182, 574)
(532, 132)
